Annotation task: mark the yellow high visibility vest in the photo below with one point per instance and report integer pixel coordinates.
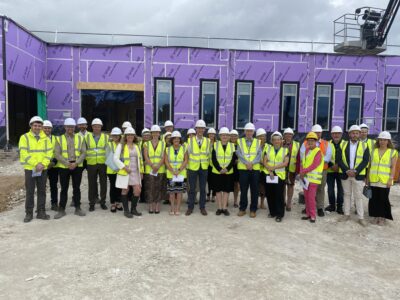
(249, 154)
(276, 159)
(359, 156)
(293, 156)
(224, 157)
(62, 141)
(125, 158)
(380, 169)
(177, 160)
(369, 143)
(315, 176)
(34, 151)
(333, 157)
(112, 145)
(155, 156)
(199, 157)
(96, 153)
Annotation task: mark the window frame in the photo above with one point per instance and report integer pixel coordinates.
(155, 98)
(237, 82)
(387, 86)
(346, 121)
(330, 84)
(296, 122)
(216, 114)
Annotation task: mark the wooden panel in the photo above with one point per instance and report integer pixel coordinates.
(138, 87)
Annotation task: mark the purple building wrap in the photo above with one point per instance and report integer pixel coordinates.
(57, 70)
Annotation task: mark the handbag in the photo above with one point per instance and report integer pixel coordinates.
(367, 192)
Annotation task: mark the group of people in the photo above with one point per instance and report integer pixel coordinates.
(160, 166)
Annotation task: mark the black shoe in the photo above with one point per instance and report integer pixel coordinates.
(120, 208)
(79, 212)
(151, 212)
(28, 217)
(42, 216)
(54, 207)
(303, 211)
(288, 208)
(166, 202)
(270, 216)
(340, 210)
(189, 212)
(135, 212)
(72, 204)
(91, 208)
(225, 212)
(113, 209)
(103, 206)
(330, 208)
(278, 219)
(235, 205)
(128, 215)
(321, 212)
(218, 212)
(312, 220)
(157, 212)
(61, 213)
(305, 218)
(212, 200)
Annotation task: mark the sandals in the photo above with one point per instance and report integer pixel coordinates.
(113, 209)
(177, 213)
(120, 208)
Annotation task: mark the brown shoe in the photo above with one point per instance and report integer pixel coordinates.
(252, 214)
(241, 213)
(189, 212)
(203, 212)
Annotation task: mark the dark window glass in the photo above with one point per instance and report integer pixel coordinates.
(209, 103)
(163, 101)
(323, 106)
(243, 104)
(289, 104)
(392, 109)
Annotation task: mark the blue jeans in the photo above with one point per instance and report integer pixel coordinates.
(192, 178)
(331, 179)
(248, 179)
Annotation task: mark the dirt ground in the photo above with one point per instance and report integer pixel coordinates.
(107, 256)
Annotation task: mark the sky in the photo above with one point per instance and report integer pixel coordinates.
(255, 19)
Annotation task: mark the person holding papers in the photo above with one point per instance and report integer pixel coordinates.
(223, 158)
(311, 168)
(176, 159)
(153, 152)
(276, 159)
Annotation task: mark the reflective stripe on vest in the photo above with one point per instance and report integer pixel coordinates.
(199, 157)
(276, 159)
(155, 156)
(177, 160)
(96, 153)
(315, 176)
(62, 140)
(248, 154)
(293, 156)
(333, 157)
(380, 169)
(359, 156)
(224, 157)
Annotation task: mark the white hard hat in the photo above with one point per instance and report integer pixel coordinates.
(116, 131)
(155, 128)
(260, 131)
(97, 121)
(363, 125)
(145, 131)
(234, 132)
(337, 129)
(385, 135)
(69, 122)
(36, 119)
(81, 121)
(249, 126)
(200, 124)
(191, 131)
(288, 131)
(224, 130)
(129, 130)
(168, 123)
(316, 128)
(276, 133)
(166, 134)
(354, 128)
(47, 123)
(176, 134)
(211, 131)
(126, 124)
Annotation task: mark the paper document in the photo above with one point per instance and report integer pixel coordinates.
(304, 183)
(153, 174)
(275, 180)
(178, 178)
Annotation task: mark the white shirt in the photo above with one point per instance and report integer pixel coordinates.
(353, 153)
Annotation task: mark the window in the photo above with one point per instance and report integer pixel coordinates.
(209, 102)
(354, 105)
(392, 104)
(163, 108)
(244, 103)
(323, 96)
(289, 92)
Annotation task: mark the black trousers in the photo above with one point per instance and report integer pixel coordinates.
(94, 171)
(115, 193)
(65, 175)
(275, 198)
(52, 174)
(30, 184)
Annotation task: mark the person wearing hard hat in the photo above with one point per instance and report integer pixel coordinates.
(164, 194)
(327, 154)
(381, 174)
(154, 171)
(146, 136)
(52, 171)
(353, 162)
(249, 154)
(261, 135)
(311, 169)
(115, 193)
(276, 159)
(176, 159)
(293, 148)
(82, 126)
(191, 133)
(125, 125)
(234, 137)
(364, 137)
(96, 143)
(211, 134)
(36, 151)
(335, 201)
(128, 159)
(70, 152)
(199, 150)
(223, 159)
(168, 127)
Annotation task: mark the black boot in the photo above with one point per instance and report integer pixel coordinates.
(124, 200)
(134, 205)
(339, 210)
(330, 208)
(28, 217)
(42, 215)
